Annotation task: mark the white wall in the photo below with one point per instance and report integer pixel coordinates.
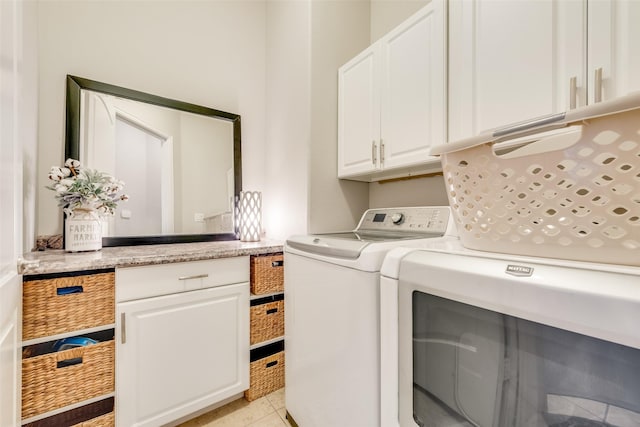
(285, 199)
(340, 30)
(387, 14)
(306, 43)
(272, 61)
(210, 53)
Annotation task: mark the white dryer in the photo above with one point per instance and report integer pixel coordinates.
(332, 319)
(472, 338)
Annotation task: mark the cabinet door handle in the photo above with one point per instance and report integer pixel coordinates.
(197, 276)
(381, 152)
(573, 92)
(597, 85)
(123, 329)
(373, 152)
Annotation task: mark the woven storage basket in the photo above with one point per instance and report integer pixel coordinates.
(100, 413)
(574, 196)
(266, 376)
(267, 321)
(47, 312)
(106, 420)
(267, 274)
(45, 386)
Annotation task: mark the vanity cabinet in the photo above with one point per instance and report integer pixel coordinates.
(182, 338)
(64, 383)
(513, 61)
(171, 325)
(391, 101)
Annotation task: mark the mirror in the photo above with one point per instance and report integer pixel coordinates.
(180, 162)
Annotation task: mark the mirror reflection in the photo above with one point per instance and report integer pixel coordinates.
(180, 167)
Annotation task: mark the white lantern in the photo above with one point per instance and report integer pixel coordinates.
(250, 212)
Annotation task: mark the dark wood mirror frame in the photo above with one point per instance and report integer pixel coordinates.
(72, 149)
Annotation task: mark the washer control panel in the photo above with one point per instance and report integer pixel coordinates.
(431, 219)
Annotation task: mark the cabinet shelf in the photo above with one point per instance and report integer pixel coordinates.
(79, 332)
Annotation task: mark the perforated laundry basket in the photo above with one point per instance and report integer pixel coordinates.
(572, 196)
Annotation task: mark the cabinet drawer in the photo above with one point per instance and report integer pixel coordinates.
(62, 304)
(267, 274)
(55, 380)
(267, 319)
(156, 280)
(266, 372)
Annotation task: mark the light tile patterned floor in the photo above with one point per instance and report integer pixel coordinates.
(268, 411)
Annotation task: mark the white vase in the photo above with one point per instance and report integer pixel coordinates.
(83, 231)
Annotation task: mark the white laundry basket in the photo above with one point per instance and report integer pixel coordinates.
(571, 193)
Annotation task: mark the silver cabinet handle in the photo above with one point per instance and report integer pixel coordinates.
(539, 122)
(597, 85)
(373, 152)
(381, 152)
(197, 276)
(123, 329)
(573, 92)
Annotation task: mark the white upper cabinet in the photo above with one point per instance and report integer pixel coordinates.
(511, 61)
(359, 114)
(516, 60)
(613, 43)
(392, 98)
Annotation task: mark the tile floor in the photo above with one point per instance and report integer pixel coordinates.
(268, 411)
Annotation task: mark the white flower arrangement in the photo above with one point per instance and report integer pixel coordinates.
(77, 187)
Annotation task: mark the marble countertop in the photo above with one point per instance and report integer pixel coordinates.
(58, 261)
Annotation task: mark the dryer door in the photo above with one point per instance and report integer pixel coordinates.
(478, 347)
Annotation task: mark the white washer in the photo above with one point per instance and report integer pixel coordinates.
(332, 368)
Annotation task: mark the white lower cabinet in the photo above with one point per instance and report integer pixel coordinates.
(179, 353)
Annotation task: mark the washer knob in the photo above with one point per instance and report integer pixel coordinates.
(397, 218)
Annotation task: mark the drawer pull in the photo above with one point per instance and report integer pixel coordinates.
(197, 276)
(272, 310)
(270, 364)
(70, 290)
(277, 263)
(69, 362)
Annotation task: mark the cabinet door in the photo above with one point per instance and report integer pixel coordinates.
(9, 351)
(613, 48)
(511, 61)
(359, 114)
(177, 354)
(413, 87)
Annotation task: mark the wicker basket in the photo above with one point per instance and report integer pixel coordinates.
(96, 414)
(266, 376)
(49, 310)
(106, 420)
(267, 321)
(572, 196)
(48, 384)
(267, 274)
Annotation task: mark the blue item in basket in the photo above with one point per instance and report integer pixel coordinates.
(72, 342)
